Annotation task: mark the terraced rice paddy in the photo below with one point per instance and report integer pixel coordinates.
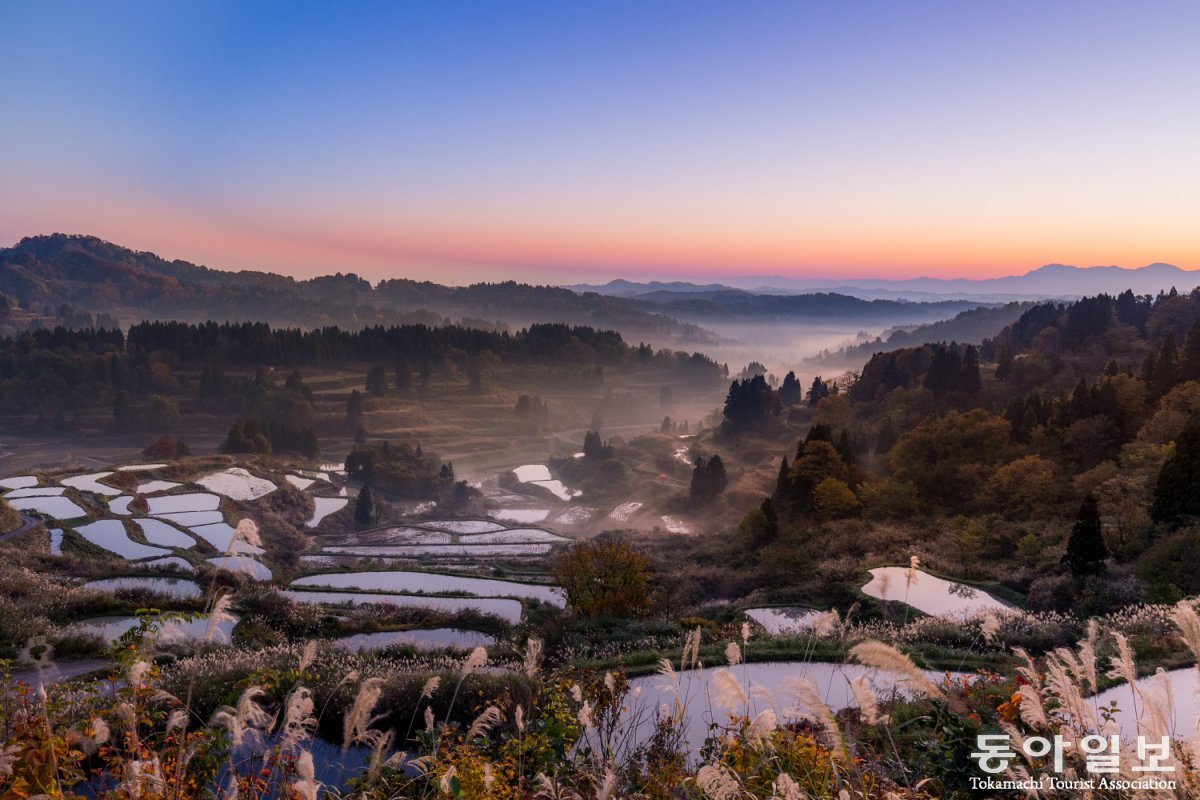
(91, 483)
(56, 507)
(160, 533)
(237, 484)
(781, 621)
(929, 593)
(112, 628)
(181, 503)
(36, 491)
(525, 516)
(441, 550)
(178, 588)
(19, 482)
(432, 639)
(430, 582)
(111, 535)
(505, 609)
(324, 506)
(243, 564)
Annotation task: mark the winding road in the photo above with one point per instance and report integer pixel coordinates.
(28, 523)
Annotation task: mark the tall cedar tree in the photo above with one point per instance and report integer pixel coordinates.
(790, 392)
(708, 479)
(1085, 547)
(782, 484)
(1166, 367)
(751, 401)
(364, 508)
(819, 391)
(971, 383)
(377, 381)
(771, 530)
(1177, 492)
(1189, 365)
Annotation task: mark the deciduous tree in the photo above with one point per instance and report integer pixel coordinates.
(604, 578)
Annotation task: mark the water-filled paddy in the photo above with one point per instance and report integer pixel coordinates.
(324, 506)
(179, 588)
(91, 483)
(763, 683)
(19, 481)
(111, 535)
(237, 484)
(404, 581)
(779, 621)
(154, 487)
(298, 482)
(440, 550)
(403, 536)
(243, 564)
(112, 628)
(432, 639)
(505, 609)
(523, 516)
(36, 491)
(929, 593)
(57, 507)
(179, 503)
(514, 536)
(460, 525)
(539, 475)
(190, 519)
(1179, 685)
(158, 532)
(528, 473)
(220, 534)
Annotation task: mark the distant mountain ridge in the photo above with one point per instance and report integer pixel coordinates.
(90, 274)
(1049, 281)
(87, 274)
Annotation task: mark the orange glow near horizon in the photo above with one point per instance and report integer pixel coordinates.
(518, 249)
(591, 141)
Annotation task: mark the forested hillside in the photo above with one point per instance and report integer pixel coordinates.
(974, 325)
(145, 374)
(1059, 458)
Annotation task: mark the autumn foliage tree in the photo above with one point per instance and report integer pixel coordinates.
(949, 458)
(604, 578)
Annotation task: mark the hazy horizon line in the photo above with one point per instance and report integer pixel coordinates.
(599, 276)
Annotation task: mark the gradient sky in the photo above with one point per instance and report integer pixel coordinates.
(587, 139)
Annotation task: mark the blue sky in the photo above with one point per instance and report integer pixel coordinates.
(584, 140)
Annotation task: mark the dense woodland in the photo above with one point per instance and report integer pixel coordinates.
(240, 366)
